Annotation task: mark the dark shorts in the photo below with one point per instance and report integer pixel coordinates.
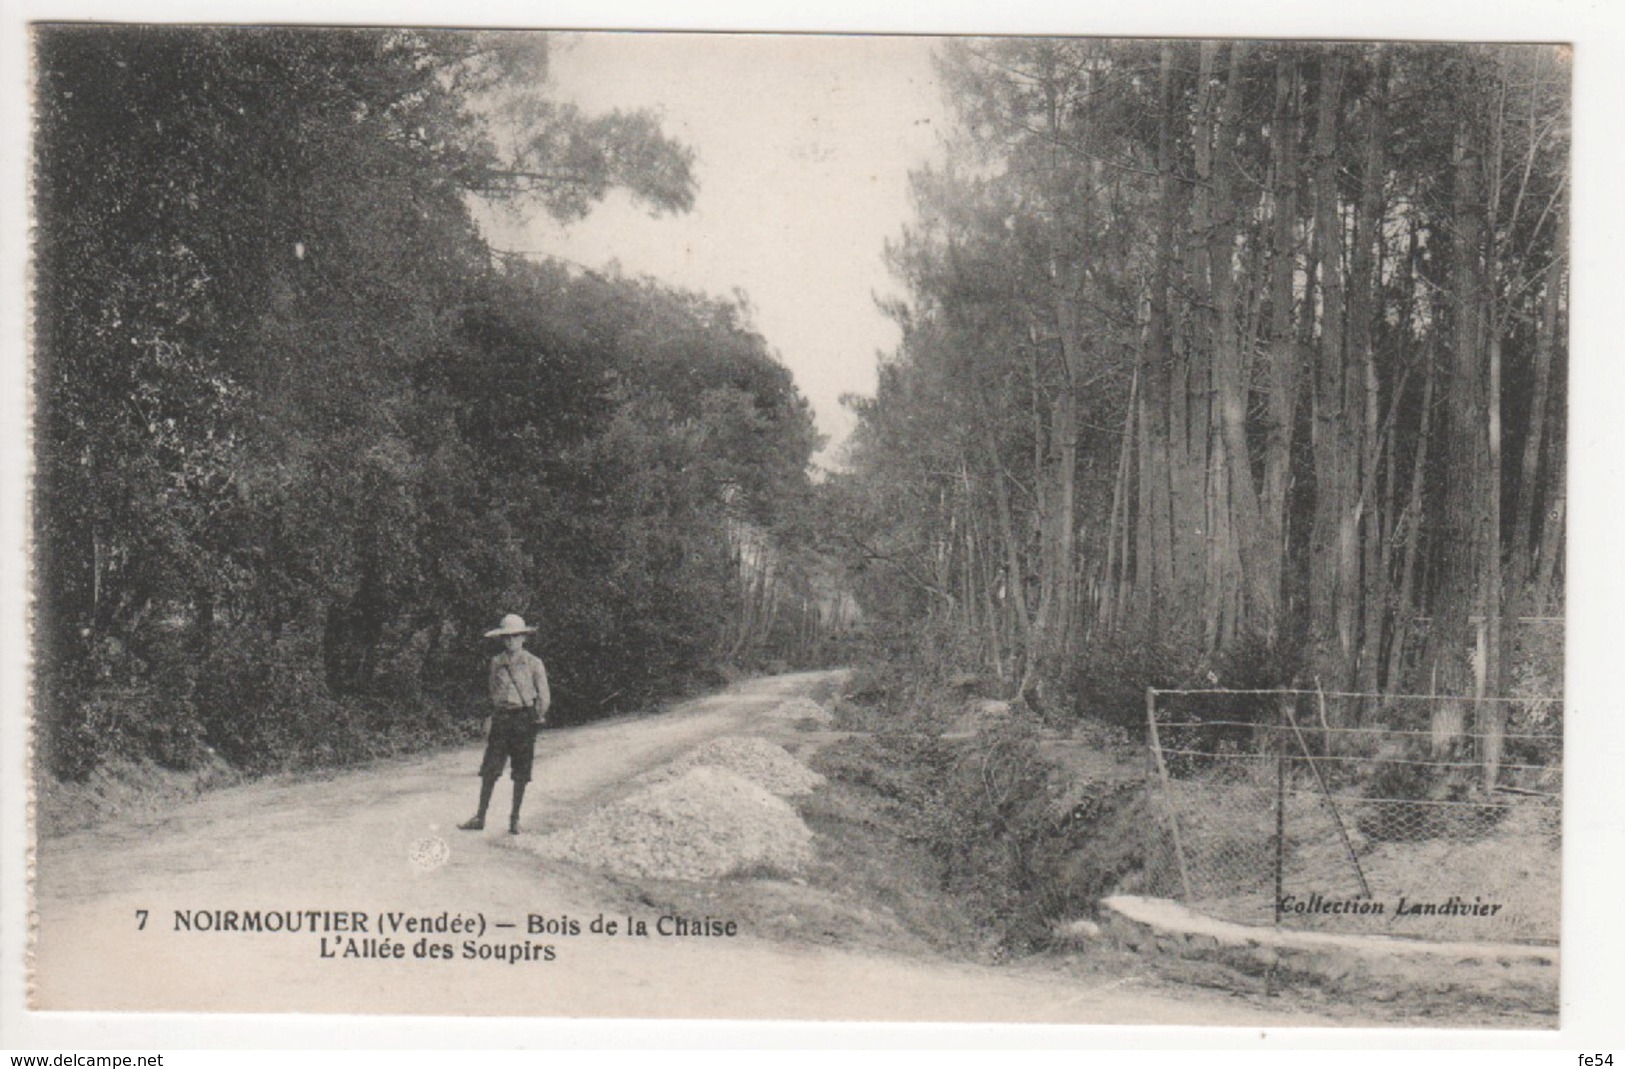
(513, 738)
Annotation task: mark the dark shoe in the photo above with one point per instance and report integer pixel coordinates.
(513, 826)
(473, 824)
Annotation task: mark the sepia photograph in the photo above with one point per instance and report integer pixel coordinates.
(958, 528)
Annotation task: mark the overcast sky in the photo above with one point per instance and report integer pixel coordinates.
(804, 146)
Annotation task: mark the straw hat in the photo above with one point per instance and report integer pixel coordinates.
(512, 624)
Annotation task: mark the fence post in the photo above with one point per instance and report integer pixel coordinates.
(1331, 804)
(1167, 795)
(1280, 805)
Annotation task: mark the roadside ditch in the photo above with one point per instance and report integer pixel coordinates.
(972, 834)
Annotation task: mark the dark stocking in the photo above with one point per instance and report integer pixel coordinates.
(518, 800)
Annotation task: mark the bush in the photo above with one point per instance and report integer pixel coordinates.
(267, 707)
(1108, 683)
(1018, 841)
(86, 727)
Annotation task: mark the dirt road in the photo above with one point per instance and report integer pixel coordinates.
(119, 909)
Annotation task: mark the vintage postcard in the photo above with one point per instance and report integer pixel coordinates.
(1025, 529)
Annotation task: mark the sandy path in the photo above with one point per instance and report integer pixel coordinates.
(366, 842)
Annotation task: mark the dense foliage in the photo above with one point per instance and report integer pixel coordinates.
(301, 437)
(1242, 360)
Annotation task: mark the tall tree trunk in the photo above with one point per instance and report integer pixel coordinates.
(1064, 522)
(1154, 555)
(1117, 563)
(1330, 642)
(1492, 714)
(1243, 579)
(1199, 541)
(1282, 372)
(1550, 549)
(1015, 595)
(1491, 717)
(1534, 444)
(1362, 527)
(1404, 608)
(1459, 526)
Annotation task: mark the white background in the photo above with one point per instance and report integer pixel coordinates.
(1594, 884)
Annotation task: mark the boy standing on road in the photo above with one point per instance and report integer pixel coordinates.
(519, 699)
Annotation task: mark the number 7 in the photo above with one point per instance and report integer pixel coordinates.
(141, 915)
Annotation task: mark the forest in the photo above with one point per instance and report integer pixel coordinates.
(1228, 363)
(301, 435)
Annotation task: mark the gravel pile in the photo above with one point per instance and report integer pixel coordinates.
(802, 709)
(754, 759)
(703, 824)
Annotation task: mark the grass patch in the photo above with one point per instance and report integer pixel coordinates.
(120, 788)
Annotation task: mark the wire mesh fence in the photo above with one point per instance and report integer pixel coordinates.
(1411, 815)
